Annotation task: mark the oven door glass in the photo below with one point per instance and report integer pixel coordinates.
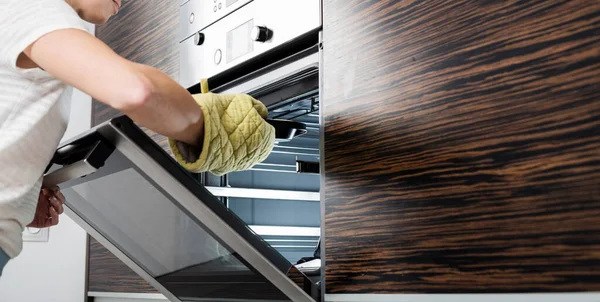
(129, 194)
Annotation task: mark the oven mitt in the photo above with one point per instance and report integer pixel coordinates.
(236, 134)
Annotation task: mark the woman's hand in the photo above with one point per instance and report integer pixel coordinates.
(50, 205)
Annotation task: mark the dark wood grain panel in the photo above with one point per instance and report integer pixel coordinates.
(108, 274)
(298, 277)
(462, 146)
(303, 281)
(145, 32)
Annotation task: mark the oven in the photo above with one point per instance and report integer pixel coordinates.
(246, 236)
(270, 50)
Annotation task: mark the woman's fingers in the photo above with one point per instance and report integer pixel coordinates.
(53, 217)
(59, 194)
(57, 205)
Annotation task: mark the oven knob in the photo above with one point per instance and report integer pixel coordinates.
(199, 39)
(261, 34)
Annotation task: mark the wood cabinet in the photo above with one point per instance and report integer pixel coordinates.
(106, 273)
(462, 146)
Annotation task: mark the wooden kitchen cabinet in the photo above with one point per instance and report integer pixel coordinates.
(462, 146)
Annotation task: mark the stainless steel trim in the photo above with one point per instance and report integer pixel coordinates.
(228, 300)
(264, 193)
(134, 296)
(294, 246)
(273, 170)
(546, 297)
(275, 75)
(291, 240)
(119, 254)
(204, 215)
(322, 103)
(275, 165)
(298, 148)
(126, 295)
(75, 170)
(264, 230)
(321, 12)
(294, 153)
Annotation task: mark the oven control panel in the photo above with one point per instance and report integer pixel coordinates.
(195, 15)
(256, 27)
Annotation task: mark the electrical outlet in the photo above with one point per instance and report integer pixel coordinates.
(36, 235)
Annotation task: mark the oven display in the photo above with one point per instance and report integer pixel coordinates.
(230, 2)
(239, 41)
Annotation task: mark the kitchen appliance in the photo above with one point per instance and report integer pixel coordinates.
(202, 237)
(270, 50)
(230, 37)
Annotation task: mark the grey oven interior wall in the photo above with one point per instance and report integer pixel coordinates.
(278, 172)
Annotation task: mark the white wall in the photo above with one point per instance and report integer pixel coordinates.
(53, 271)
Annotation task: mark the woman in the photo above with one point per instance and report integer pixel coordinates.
(45, 50)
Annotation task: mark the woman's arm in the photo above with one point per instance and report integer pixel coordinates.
(149, 97)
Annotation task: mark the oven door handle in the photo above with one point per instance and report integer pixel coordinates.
(77, 160)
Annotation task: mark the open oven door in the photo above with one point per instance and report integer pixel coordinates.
(131, 196)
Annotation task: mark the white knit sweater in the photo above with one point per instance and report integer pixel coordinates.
(34, 109)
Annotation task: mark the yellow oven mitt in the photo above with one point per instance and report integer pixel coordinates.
(236, 135)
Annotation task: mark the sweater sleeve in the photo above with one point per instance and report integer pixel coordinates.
(25, 21)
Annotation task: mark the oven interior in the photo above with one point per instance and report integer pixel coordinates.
(279, 197)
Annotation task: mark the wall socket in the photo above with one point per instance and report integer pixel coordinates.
(36, 235)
